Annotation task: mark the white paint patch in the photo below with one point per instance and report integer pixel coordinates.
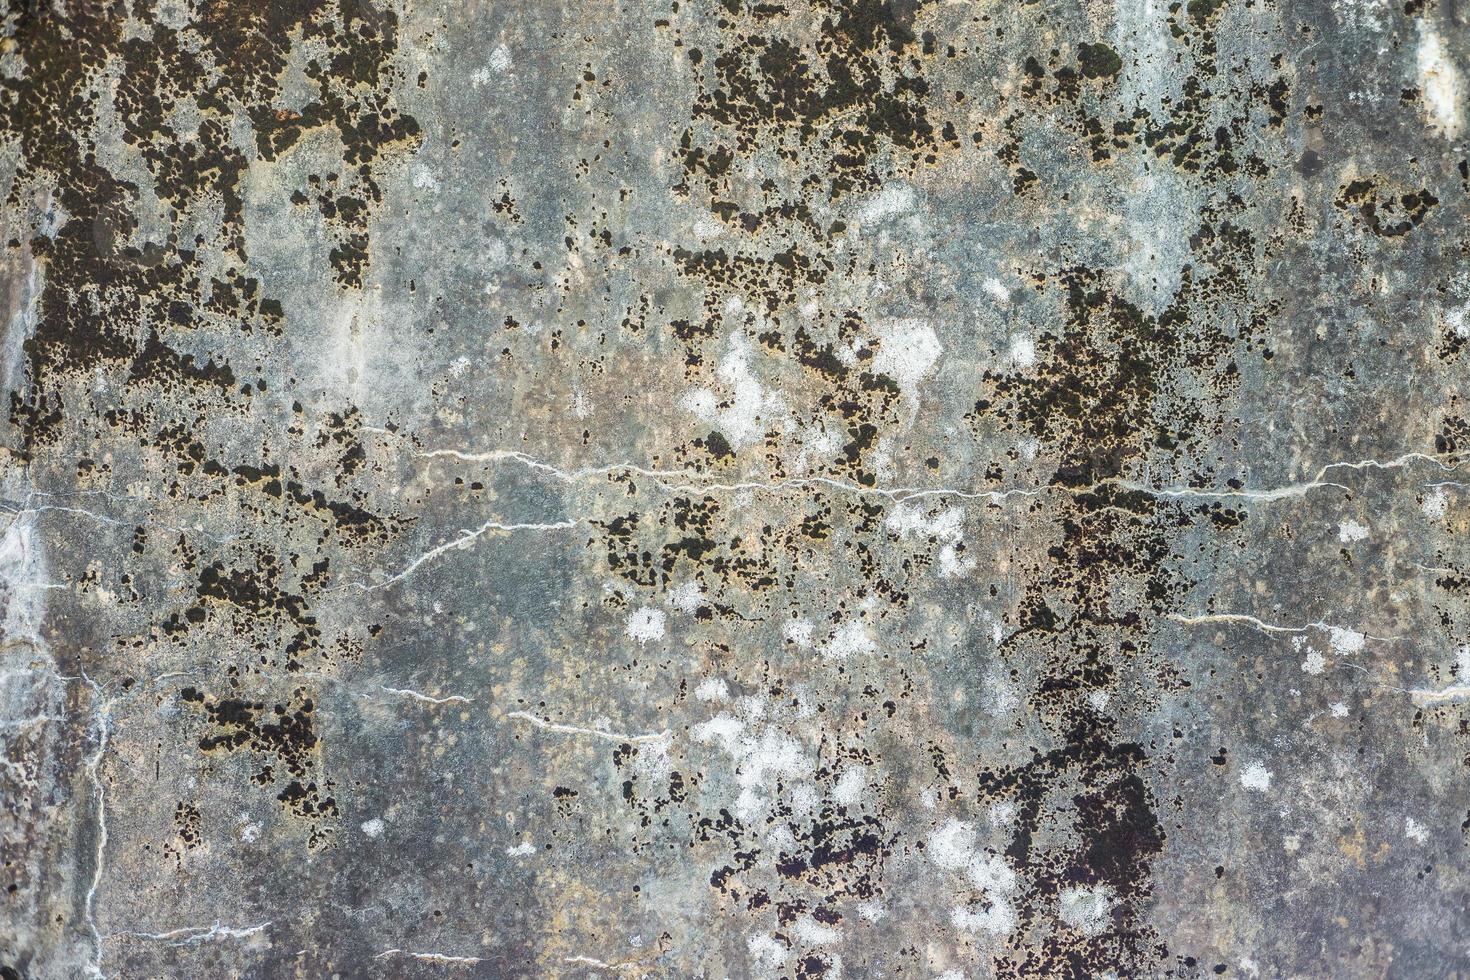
(1088, 910)
(1435, 504)
(523, 849)
(952, 845)
(1023, 351)
(742, 418)
(946, 527)
(687, 597)
(895, 199)
(848, 639)
(653, 757)
(766, 950)
(1157, 246)
(759, 760)
(1256, 776)
(645, 624)
(701, 402)
(498, 64)
(809, 930)
(764, 760)
(1350, 531)
(350, 352)
(881, 459)
(817, 441)
(910, 349)
(990, 873)
(1345, 641)
(1001, 694)
(997, 629)
(721, 728)
(1315, 662)
(908, 521)
(23, 570)
(373, 827)
(1439, 80)
(712, 689)
(708, 228)
(849, 788)
(998, 918)
(1415, 831)
(753, 708)
(495, 256)
(804, 799)
(1458, 320)
(1338, 710)
(1365, 14)
(798, 631)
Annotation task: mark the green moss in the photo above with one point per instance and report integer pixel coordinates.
(1099, 61)
(1203, 9)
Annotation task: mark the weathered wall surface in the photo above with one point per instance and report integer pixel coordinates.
(708, 488)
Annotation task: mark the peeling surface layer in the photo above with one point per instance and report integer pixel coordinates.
(719, 488)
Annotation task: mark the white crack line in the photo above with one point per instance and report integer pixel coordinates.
(35, 721)
(703, 482)
(1279, 493)
(1290, 489)
(1348, 664)
(88, 907)
(427, 699)
(896, 494)
(602, 965)
(568, 476)
(641, 961)
(102, 714)
(552, 726)
(465, 539)
(431, 957)
(1453, 694)
(1265, 627)
(344, 683)
(43, 586)
(15, 513)
(1420, 696)
(1250, 621)
(193, 935)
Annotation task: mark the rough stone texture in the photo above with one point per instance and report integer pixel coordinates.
(717, 488)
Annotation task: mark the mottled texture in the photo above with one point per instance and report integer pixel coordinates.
(718, 488)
